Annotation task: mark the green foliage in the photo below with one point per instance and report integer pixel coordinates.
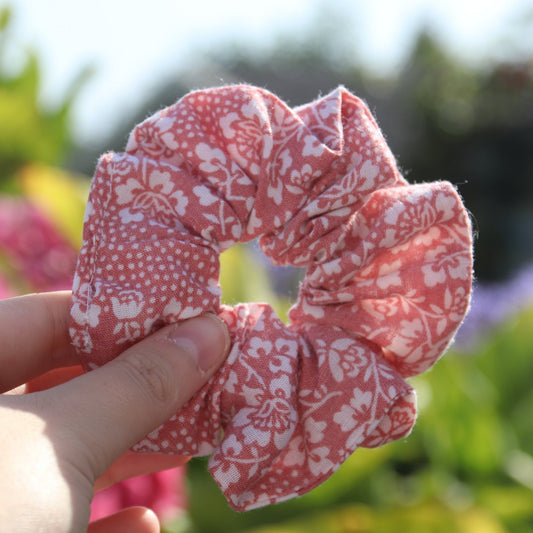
(446, 91)
(29, 132)
(243, 279)
(467, 466)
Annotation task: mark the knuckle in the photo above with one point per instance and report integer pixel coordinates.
(152, 378)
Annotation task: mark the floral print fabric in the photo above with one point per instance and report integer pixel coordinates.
(387, 283)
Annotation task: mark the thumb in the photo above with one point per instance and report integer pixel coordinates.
(117, 404)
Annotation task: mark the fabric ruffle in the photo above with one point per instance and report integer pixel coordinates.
(388, 279)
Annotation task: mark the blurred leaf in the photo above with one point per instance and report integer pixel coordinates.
(5, 17)
(29, 131)
(513, 504)
(181, 524)
(427, 517)
(459, 423)
(353, 519)
(519, 466)
(62, 196)
(446, 90)
(507, 358)
(244, 279)
(351, 480)
(76, 85)
(447, 476)
(28, 80)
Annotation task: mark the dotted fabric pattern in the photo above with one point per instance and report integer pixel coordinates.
(388, 279)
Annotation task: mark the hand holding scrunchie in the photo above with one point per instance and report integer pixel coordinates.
(388, 279)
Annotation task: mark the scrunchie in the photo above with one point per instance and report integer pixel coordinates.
(388, 278)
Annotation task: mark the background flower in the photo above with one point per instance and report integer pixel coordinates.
(41, 215)
(162, 492)
(493, 304)
(467, 465)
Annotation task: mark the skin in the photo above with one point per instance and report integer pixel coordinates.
(65, 434)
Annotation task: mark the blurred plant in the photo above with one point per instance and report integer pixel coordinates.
(492, 303)
(29, 133)
(41, 208)
(162, 492)
(467, 467)
(41, 215)
(246, 275)
(34, 253)
(35, 256)
(39, 238)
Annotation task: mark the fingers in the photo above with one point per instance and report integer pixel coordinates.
(34, 337)
(53, 378)
(132, 520)
(111, 408)
(129, 464)
(133, 464)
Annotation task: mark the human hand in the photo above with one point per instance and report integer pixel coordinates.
(62, 440)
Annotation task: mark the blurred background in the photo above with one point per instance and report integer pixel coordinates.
(451, 85)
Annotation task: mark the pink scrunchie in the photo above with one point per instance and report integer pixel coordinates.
(388, 279)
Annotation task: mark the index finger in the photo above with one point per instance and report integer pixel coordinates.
(34, 337)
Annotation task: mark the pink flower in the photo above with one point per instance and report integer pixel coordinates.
(163, 492)
(33, 246)
(43, 260)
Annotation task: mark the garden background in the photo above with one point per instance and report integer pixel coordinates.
(468, 465)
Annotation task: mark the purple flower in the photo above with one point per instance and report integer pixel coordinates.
(492, 304)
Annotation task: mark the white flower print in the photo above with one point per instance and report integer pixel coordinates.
(387, 279)
(341, 356)
(286, 161)
(300, 179)
(127, 217)
(312, 146)
(172, 310)
(83, 311)
(369, 171)
(259, 348)
(88, 317)
(442, 265)
(350, 415)
(128, 304)
(156, 136)
(314, 430)
(209, 155)
(318, 461)
(295, 454)
(252, 136)
(345, 359)
(226, 474)
(126, 308)
(154, 194)
(410, 336)
(230, 446)
(271, 415)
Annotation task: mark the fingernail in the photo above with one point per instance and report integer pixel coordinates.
(206, 338)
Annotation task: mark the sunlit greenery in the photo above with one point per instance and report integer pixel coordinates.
(30, 132)
(468, 465)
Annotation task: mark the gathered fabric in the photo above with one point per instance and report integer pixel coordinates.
(388, 279)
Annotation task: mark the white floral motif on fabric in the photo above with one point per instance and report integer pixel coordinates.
(387, 284)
